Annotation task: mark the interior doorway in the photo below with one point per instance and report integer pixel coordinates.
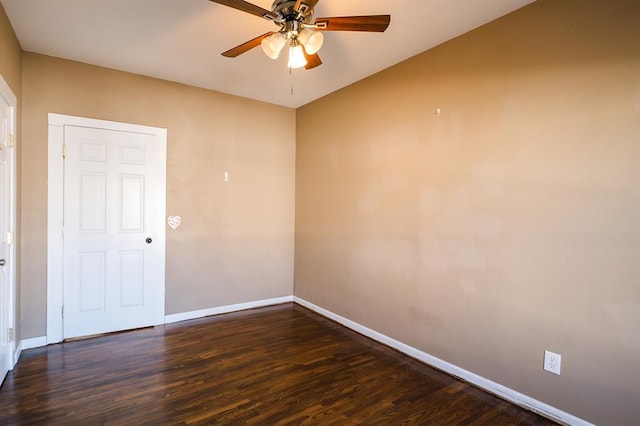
(8, 103)
(107, 184)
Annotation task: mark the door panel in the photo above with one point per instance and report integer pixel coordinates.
(132, 203)
(92, 202)
(131, 278)
(91, 283)
(108, 215)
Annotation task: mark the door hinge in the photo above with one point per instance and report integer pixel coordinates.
(9, 238)
(64, 151)
(11, 139)
(10, 335)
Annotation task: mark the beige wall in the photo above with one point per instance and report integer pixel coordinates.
(235, 243)
(10, 55)
(505, 226)
(11, 71)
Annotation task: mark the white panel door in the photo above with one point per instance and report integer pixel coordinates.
(109, 257)
(6, 118)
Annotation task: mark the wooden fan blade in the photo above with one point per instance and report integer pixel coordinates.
(373, 23)
(245, 6)
(312, 60)
(310, 4)
(245, 47)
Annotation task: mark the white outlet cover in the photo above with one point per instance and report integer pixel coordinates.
(552, 362)
(174, 221)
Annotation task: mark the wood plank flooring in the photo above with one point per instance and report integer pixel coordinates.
(268, 366)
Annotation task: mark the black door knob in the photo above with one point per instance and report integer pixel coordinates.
(148, 240)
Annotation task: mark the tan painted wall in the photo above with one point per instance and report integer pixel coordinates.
(10, 54)
(507, 225)
(11, 71)
(235, 243)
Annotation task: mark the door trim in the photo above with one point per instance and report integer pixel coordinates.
(55, 214)
(10, 97)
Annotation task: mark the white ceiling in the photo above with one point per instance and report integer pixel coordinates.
(181, 40)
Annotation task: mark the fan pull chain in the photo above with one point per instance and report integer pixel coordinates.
(291, 75)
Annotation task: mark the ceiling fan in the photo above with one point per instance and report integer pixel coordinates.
(299, 29)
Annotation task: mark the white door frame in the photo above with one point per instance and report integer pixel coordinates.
(8, 95)
(55, 260)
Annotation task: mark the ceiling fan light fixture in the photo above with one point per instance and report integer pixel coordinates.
(273, 44)
(298, 28)
(311, 40)
(296, 55)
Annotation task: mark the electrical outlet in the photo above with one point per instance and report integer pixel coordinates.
(552, 362)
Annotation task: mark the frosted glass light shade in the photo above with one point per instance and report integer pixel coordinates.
(296, 57)
(273, 44)
(311, 40)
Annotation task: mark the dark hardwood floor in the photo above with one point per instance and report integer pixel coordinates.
(275, 365)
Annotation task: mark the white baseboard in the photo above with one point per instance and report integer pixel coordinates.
(34, 342)
(226, 309)
(504, 392)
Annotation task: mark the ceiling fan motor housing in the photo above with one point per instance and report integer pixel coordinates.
(285, 9)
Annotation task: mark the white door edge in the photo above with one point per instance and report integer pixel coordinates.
(10, 97)
(55, 283)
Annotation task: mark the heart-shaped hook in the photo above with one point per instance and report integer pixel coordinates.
(174, 221)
